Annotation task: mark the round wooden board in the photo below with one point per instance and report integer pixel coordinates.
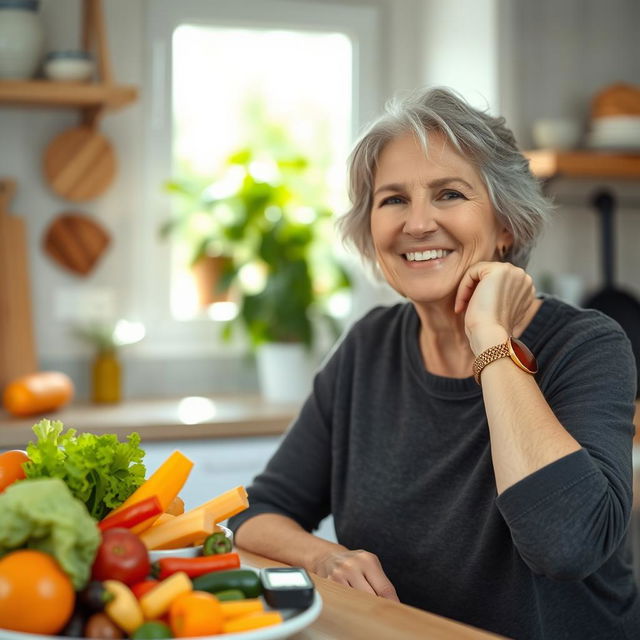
(79, 164)
(76, 242)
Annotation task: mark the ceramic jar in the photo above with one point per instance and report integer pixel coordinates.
(21, 39)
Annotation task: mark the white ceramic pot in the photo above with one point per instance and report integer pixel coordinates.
(285, 372)
(21, 39)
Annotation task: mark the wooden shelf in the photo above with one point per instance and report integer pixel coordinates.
(91, 98)
(47, 93)
(584, 164)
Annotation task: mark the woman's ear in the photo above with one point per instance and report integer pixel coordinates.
(504, 243)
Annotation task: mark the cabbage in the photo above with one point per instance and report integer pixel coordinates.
(42, 514)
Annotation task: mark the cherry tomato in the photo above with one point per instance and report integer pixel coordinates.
(121, 556)
(36, 596)
(11, 467)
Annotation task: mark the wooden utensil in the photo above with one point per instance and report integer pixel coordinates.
(79, 163)
(76, 242)
(17, 347)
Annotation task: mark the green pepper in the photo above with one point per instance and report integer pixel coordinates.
(216, 543)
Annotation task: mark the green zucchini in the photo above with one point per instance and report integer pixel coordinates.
(245, 580)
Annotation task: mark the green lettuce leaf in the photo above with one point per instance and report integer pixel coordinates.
(100, 471)
(42, 514)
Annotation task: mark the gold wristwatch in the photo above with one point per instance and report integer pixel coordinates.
(512, 348)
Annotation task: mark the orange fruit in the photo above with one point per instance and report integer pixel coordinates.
(36, 596)
(11, 467)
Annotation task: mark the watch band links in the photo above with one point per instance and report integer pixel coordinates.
(490, 355)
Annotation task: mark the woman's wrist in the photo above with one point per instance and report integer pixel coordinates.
(483, 338)
(318, 554)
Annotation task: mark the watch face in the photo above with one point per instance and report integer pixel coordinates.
(525, 359)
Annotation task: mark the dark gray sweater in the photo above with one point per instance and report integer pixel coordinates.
(402, 460)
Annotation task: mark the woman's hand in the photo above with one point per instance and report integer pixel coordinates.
(496, 297)
(358, 569)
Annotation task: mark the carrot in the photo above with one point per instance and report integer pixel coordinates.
(234, 608)
(251, 621)
(195, 567)
(176, 507)
(165, 482)
(37, 392)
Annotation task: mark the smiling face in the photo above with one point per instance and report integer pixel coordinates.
(431, 218)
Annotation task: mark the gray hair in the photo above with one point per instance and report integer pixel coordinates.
(483, 139)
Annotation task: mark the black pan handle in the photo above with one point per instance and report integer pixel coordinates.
(605, 205)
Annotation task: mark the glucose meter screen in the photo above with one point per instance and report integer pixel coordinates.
(287, 579)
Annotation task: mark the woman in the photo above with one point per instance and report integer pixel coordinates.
(502, 502)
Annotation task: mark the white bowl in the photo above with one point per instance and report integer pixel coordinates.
(185, 552)
(556, 133)
(69, 66)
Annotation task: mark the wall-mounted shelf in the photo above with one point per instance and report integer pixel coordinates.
(91, 98)
(46, 93)
(546, 163)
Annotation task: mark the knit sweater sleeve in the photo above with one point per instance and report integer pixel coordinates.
(567, 518)
(296, 480)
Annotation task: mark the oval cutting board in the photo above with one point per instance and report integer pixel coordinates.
(76, 242)
(79, 164)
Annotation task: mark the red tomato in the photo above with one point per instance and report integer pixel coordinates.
(121, 556)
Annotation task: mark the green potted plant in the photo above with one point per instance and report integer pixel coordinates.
(201, 235)
(268, 221)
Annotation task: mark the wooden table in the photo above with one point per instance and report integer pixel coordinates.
(348, 614)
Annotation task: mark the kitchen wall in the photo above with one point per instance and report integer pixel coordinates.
(554, 57)
(525, 59)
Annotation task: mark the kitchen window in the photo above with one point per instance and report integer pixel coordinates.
(211, 63)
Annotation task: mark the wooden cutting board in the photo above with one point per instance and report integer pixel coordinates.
(17, 346)
(79, 164)
(76, 242)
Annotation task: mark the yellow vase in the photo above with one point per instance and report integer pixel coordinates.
(106, 378)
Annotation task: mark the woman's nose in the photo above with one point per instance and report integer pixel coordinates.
(421, 220)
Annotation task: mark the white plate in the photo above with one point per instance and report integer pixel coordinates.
(294, 621)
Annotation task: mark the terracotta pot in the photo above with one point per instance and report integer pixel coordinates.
(207, 273)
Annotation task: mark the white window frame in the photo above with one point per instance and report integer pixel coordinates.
(165, 335)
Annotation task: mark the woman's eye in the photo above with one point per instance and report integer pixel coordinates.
(391, 200)
(451, 195)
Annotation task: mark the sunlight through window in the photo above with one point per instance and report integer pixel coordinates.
(232, 88)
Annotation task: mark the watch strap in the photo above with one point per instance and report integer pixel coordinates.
(513, 348)
(488, 356)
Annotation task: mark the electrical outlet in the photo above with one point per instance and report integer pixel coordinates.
(85, 304)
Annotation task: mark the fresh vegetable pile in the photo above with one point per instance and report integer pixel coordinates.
(78, 522)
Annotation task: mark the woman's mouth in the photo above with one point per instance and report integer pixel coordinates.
(426, 256)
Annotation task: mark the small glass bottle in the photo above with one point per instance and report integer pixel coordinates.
(106, 377)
